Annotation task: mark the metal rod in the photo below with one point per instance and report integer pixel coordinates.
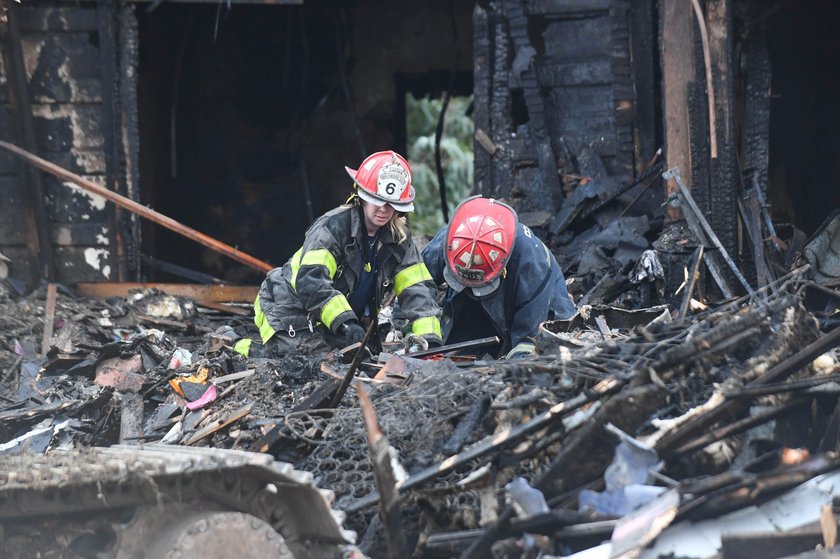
(675, 174)
(473, 344)
(140, 209)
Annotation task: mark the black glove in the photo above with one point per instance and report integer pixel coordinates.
(349, 333)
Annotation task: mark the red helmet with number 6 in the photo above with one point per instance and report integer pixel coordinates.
(385, 178)
(479, 243)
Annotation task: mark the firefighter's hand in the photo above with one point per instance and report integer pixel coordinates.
(433, 340)
(350, 332)
(522, 350)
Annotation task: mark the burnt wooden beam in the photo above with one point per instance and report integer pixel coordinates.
(757, 109)
(382, 457)
(740, 426)
(547, 190)
(677, 52)
(583, 457)
(494, 443)
(770, 545)
(590, 450)
(483, 146)
(107, 74)
(779, 372)
(141, 210)
(643, 48)
(35, 213)
(210, 293)
(49, 318)
(725, 178)
(741, 489)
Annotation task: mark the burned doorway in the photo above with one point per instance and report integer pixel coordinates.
(804, 158)
(234, 98)
(224, 94)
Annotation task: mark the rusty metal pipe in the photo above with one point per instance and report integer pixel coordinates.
(139, 209)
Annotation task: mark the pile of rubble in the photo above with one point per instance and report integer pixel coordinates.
(654, 431)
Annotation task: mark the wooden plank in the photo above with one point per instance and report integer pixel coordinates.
(677, 47)
(386, 479)
(209, 293)
(219, 424)
(49, 318)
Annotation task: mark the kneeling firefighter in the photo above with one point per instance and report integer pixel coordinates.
(502, 280)
(350, 257)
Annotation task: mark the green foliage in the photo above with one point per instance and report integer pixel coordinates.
(456, 153)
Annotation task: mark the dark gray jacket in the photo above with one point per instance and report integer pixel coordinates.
(313, 287)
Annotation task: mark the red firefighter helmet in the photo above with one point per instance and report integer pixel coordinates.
(479, 242)
(385, 178)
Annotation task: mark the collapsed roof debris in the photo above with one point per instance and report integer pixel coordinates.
(668, 417)
(731, 407)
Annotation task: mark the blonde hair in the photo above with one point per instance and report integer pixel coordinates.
(397, 225)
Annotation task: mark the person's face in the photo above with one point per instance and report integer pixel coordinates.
(377, 216)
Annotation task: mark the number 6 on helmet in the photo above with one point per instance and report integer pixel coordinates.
(385, 178)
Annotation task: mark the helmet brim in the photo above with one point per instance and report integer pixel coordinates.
(453, 281)
(368, 197)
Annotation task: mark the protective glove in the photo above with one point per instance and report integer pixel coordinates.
(433, 340)
(349, 332)
(522, 350)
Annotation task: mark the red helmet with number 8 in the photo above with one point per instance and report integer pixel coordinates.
(385, 178)
(479, 243)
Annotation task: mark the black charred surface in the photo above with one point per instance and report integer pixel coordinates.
(584, 95)
(757, 102)
(592, 448)
(725, 179)
(66, 69)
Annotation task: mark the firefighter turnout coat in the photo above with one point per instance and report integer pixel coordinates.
(313, 287)
(532, 291)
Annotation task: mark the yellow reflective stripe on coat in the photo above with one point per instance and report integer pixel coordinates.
(426, 325)
(266, 331)
(411, 275)
(317, 257)
(333, 308)
(243, 346)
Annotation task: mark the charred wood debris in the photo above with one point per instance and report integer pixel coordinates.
(692, 385)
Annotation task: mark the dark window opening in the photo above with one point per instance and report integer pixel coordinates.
(804, 174)
(223, 96)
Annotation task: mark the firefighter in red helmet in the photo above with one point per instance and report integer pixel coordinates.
(350, 257)
(502, 280)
